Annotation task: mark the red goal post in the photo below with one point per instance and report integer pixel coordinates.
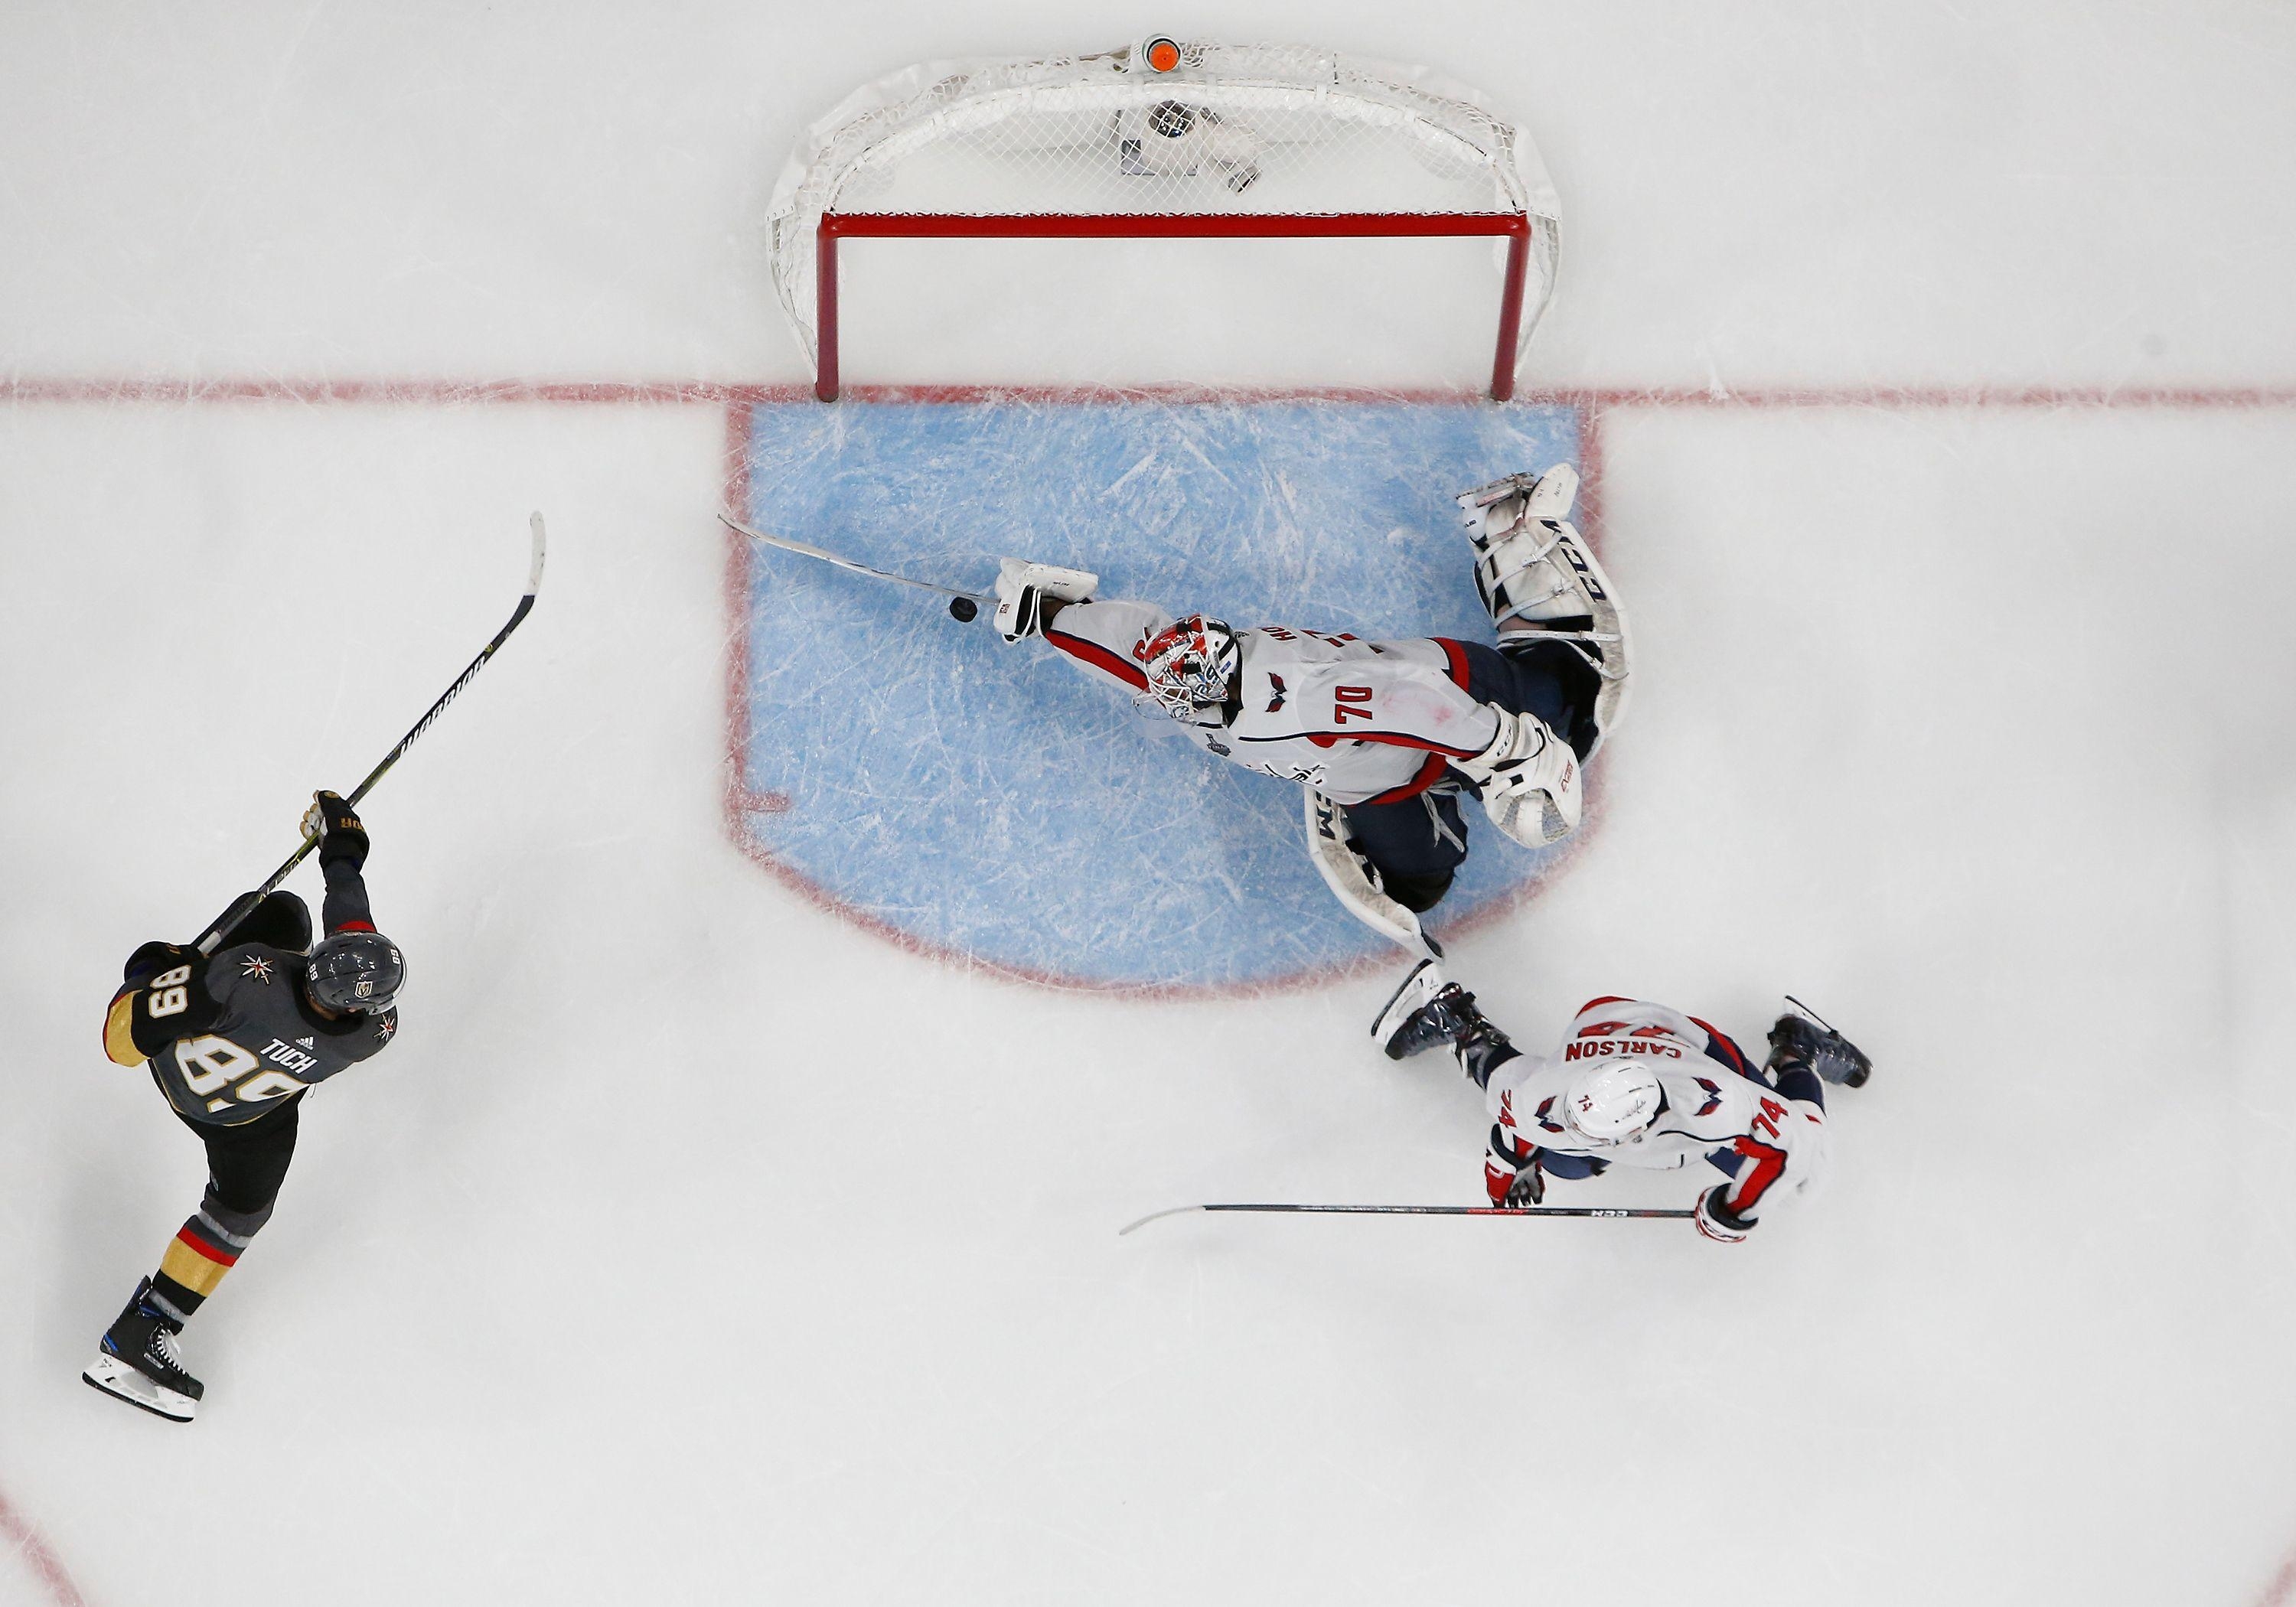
(1222, 142)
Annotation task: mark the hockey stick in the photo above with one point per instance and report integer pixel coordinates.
(962, 605)
(210, 939)
(1415, 1210)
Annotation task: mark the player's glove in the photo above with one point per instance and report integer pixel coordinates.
(1529, 779)
(1715, 1222)
(1029, 594)
(1796, 1039)
(337, 826)
(1528, 1188)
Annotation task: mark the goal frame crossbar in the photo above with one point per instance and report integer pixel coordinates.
(1514, 228)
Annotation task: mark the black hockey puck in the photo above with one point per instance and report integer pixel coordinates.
(964, 608)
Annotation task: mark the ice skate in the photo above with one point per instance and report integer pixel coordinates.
(1427, 1011)
(136, 1361)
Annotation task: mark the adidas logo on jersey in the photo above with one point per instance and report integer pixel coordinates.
(307, 1043)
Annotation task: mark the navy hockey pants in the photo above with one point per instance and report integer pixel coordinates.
(1418, 845)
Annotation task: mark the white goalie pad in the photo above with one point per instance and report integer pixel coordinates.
(1534, 569)
(1340, 863)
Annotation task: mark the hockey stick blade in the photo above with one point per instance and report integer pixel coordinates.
(1606, 1211)
(209, 939)
(976, 598)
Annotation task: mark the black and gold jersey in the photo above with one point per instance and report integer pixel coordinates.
(230, 1035)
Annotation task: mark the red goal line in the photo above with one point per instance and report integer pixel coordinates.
(1514, 227)
(83, 390)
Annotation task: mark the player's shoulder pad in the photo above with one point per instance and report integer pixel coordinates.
(152, 1010)
(151, 958)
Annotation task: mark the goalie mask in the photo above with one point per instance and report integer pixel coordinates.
(1611, 1103)
(1191, 665)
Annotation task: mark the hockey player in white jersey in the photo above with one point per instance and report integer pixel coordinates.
(1638, 1085)
(1384, 734)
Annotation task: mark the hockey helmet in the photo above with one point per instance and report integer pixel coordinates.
(355, 971)
(1191, 665)
(1613, 1101)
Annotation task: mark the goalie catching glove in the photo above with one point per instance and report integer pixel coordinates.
(1029, 594)
(1528, 779)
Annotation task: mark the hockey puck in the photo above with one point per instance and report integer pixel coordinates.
(964, 608)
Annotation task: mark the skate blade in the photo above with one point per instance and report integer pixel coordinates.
(1422, 983)
(115, 1377)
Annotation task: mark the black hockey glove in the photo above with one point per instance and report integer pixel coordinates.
(1797, 1040)
(1528, 1188)
(337, 826)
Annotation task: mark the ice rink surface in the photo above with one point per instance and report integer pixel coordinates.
(1004, 810)
(697, 1244)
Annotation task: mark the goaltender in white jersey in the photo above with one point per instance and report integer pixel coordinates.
(1384, 734)
(1638, 1085)
(1361, 722)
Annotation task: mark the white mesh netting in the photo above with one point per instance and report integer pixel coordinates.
(1269, 130)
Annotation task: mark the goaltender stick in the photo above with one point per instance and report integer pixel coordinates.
(1385, 736)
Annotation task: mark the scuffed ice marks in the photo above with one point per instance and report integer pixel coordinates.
(987, 800)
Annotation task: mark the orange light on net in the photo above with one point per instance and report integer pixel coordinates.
(1163, 54)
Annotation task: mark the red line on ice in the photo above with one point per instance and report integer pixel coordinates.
(2281, 1590)
(37, 1557)
(449, 392)
(739, 399)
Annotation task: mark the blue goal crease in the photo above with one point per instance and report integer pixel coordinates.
(988, 799)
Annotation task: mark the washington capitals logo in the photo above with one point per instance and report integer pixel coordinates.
(256, 966)
(1276, 682)
(1713, 1096)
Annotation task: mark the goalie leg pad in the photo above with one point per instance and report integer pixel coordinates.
(1538, 575)
(1340, 860)
(1411, 849)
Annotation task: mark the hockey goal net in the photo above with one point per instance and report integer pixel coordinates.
(1163, 140)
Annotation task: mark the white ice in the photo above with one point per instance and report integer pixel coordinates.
(691, 1246)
